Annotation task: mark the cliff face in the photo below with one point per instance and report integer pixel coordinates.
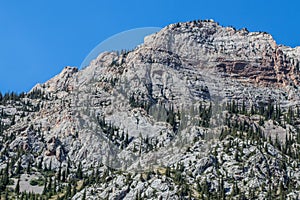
(239, 53)
(196, 108)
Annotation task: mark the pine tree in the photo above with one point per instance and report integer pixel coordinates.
(49, 188)
(59, 173)
(6, 195)
(168, 171)
(5, 178)
(84, 195)
(68, 191)
(17, 189)
(13, 120)
(206, 187)
(63, 176)
(28, 167)
(74, 191)
(54, 185)
(222, 190)
(261, 121)
(45, 187)
(79, 173)
(50, 165)
(19, 167)
(252, 111)
(126, 139)
(236, 189)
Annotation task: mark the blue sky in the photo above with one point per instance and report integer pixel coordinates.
(39, 38)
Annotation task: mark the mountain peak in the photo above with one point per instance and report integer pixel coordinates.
(239, 53)
(198, 111)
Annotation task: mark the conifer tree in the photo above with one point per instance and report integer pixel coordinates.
(84, 195)
(74, 191)
(68, 190)
(59, 173)
(28, 167)
(6, 195)
(17, 188)
(79, 173)
(19, 168)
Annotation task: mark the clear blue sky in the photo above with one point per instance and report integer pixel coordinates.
(38, 38)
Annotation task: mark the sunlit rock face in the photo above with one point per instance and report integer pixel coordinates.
(197, 110)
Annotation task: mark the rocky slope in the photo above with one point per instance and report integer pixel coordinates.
(198, 111)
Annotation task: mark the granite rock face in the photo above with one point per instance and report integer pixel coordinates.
(159, 113)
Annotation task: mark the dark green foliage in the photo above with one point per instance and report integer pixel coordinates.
(268, 111)
(290, 116)
(113, 133)
(235, 127)
(168, 171)
(17, 189)
(36, 94)
(172, 117)
(59, 174)
(28, 169)
(205, 115)
(84, 195)
(10, 96)
(6, 195)
(136, 102)
(261, 121)
(232, 107)
(4, 178)
(68, 190)
(79, 173)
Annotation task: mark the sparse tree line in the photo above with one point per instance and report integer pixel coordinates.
(171, 115)
(12, 97)
(113, 133)
(122, 139)
(61, 183)
(267, 111)
(249, 130)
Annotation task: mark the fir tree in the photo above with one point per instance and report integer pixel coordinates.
(28, 167)
(17, 188)
(84, 195)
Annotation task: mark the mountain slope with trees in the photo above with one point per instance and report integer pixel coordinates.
(199, 111)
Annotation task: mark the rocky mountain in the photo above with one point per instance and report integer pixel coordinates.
(198, 111)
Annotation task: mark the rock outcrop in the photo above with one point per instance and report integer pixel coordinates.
(197, 111)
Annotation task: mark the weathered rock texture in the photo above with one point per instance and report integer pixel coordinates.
(139, 111)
